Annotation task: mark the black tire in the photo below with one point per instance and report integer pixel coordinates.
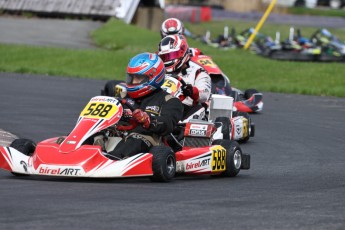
(233, 157)
(24, 146)
(249, 92)
(226, 126)
(163, 164)
(109, 88)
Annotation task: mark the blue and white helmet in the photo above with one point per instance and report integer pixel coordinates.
(149, 68)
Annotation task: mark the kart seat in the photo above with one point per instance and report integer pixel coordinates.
(174, 139)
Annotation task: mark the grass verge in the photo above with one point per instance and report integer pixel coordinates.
(120, 42)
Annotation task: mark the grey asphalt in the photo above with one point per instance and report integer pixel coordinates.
(296, 180)
(47, 32)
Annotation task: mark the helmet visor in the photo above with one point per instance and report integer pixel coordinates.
(170, 56)
(136, 79)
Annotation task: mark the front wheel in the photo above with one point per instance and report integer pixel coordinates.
(163, 164)
(249, 93)
(25, 146)
(233, 157)
(109, 88)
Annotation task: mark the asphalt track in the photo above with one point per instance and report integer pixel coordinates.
(296, 180)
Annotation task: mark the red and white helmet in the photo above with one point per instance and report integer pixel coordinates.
(172, 26)
(174, 51)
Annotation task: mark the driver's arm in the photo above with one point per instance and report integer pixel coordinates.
(171, 114)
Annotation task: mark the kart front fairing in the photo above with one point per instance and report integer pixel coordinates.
(72, 157)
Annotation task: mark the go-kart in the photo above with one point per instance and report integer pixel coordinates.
(295, 48)
(100, 126)
(234, 125)
(249, 101)
(333, 49)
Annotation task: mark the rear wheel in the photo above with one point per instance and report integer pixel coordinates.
(24, 146)
(233, 157)
(163, 164)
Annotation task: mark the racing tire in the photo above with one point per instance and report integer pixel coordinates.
(249, 92)
(25, 146)
(109, 88)
(226, 126)
(163, 164)
(233, 157)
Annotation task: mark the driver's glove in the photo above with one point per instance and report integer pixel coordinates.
(142, 118)
(191, 91)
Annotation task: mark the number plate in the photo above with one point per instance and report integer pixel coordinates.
(218, 159)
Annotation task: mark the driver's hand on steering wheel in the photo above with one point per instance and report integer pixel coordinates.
(191, 91)
(142, 118)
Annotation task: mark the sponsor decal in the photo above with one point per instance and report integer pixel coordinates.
(198, 164)
(197, 132)
(71, 142)
(104, 99)
(152, 109)
(197, 126)
(241, 127)
(25, 166)
(218, 159)
(137, 136)
(63, 171)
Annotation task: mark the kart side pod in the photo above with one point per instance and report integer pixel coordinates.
(221, 106)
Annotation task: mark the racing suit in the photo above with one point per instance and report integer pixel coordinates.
(195, 75)
(164, 111)
(220, 82)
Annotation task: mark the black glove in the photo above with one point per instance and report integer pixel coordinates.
(188, 90)
(191, 91)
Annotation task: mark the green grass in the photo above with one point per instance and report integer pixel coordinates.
(328, 12)
(119, 42)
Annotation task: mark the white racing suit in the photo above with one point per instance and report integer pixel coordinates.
(195, 75)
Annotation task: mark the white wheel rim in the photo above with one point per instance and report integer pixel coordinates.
(170, 165)
(237, 159)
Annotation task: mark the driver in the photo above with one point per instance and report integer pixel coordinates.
(173, 26)
(157, 112)
(173, 50)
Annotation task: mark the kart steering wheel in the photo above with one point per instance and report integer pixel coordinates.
(132, 123)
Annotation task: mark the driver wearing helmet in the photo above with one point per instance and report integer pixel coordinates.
(173, 26)
(157, 112)
(173, 50)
